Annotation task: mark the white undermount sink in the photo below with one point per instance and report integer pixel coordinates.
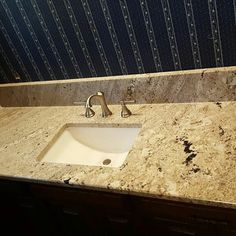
(92, 146)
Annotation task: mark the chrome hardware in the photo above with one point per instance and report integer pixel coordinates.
(105, 110)
(88, 111)
(125, 112)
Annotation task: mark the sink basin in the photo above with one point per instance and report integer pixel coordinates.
(92, 146)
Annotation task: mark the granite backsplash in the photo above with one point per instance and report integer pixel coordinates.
(202, 85)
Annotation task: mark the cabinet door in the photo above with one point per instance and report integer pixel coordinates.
(166, 227)
(89, 212)
(119, 224)
(76, 220)
(70, 221)
(229, 233)
(184, 218)
(20, 213)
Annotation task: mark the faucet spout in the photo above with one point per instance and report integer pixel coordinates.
(101, 98)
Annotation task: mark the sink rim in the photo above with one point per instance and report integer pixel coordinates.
(88, 125)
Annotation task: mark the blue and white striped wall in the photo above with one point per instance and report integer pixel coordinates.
(62, 39)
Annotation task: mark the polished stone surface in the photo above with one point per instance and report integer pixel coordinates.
(185, 151)
(203, 85)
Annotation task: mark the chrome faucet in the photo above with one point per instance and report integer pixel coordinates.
(125, 112)
(105, 110)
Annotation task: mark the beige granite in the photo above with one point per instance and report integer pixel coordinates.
(203, 85)
(184, 152)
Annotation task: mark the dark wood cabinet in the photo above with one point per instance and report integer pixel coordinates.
(177, 218)
(36, 209)
(20, 213)
(80, 212)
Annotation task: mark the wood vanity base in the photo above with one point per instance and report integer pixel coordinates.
(36, 209)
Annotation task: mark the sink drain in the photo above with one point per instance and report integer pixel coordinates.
(106, 162)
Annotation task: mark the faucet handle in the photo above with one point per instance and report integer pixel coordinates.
(88, 110)
(125, 112)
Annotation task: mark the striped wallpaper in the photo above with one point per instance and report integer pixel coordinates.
(62, 39)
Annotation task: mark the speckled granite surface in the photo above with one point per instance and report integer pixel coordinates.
(202, 85)
(184, 152)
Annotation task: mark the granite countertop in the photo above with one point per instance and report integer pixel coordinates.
(185, 151)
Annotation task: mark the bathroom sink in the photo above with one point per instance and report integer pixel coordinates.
(92, 146)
